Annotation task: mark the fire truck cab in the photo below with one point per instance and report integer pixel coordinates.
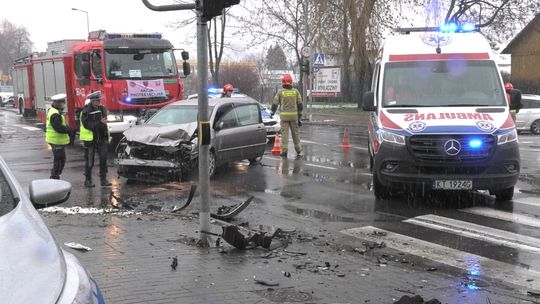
(134, 72)
(439, 115)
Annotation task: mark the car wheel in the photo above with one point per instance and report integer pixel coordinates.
(535, 127)
(380, 191)
(504, 194)
(211, 163)
(255, 160)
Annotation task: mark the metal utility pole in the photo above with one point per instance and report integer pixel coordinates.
(310, 59)
(202, 71)
(87, 18)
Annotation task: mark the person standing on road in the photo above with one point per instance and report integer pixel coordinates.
(513, 97)
(289, 101)
(95, 135)
(227, 90)
(57, 134)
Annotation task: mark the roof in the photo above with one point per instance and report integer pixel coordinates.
(520, 35)
(215, 101)
(424, 45)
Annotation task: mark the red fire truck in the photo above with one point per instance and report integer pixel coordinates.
(134, 72)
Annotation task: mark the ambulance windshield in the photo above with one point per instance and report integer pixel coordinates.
(139, 64)
(442, 84)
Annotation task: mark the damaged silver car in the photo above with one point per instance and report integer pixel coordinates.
(166, 146)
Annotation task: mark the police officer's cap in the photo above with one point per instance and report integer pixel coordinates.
(58, 98)
(94, 96)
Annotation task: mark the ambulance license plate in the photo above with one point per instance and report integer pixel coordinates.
(452, 184)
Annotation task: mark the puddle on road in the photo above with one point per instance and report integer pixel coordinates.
(324, 216)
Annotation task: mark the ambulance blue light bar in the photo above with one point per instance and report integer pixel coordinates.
(454, 28)
(476, 143)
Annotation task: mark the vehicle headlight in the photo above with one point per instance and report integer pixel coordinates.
(391, 137)
(507, 137)
(114, 118)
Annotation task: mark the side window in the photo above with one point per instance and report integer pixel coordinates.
(248, 114)
(96, 64)
(229, 119)
(81, 61)
(527, 104)
(221, 111)
(77, 61)
(535, 104)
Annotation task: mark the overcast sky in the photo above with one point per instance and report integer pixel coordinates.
(55, 20)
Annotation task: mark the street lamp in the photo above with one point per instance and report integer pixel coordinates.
(87, 20)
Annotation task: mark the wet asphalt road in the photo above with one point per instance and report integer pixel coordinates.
(330, 189)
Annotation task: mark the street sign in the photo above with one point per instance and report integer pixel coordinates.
(306, 51)
(319, 60)
(327, 82)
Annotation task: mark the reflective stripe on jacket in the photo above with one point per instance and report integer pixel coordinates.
(51, 136)
(84, 133)
(288, 101)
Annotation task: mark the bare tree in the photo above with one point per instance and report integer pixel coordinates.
(14, 44)
(242, 75)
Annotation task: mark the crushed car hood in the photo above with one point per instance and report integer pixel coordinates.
(161, 135)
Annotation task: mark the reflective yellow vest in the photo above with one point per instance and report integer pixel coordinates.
(84, 133)
(51, 136)
(288, 100)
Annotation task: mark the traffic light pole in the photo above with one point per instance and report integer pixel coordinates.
(204, 131)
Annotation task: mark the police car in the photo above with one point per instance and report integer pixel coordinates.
(439, 117)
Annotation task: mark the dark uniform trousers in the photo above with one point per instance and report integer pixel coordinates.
(90, 148)
(59, 156)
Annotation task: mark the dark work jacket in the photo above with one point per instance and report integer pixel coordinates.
(91, 119)
(515, 100)
(56, 123)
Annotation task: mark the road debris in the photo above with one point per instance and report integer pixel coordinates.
(174, 263)
(534, 293)
(77, 246)
(190, 198)
(232, 235)
(416, 300)
(265, 283)
(227, 213)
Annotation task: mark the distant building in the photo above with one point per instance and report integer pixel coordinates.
(525, 51)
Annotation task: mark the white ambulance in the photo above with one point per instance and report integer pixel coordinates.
(439, 116)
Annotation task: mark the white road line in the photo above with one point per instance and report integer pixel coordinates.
(505, 216)
(531, 201)
(361, 148)
(319, 166)
(479, 232)
(526, 142)
(28, 128)
(449, 256)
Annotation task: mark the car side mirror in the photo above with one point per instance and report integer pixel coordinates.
(368, 102)
(49, 192)
(187, 68)
(219, 126)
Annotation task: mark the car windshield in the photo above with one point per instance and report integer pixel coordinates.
(7, 201)
(140, 64)
(177, 114)
(442, 84)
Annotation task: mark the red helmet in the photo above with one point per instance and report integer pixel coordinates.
(286, 79)
(508, 86)
(228, 88)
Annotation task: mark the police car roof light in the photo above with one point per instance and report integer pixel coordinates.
(468, 27)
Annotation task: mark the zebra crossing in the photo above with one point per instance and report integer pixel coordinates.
(516, 233)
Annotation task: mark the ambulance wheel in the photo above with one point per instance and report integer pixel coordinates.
(535, 127)
(380, 191)
(504, 194)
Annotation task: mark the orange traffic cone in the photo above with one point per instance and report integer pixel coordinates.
(346, 144)
(276, 150)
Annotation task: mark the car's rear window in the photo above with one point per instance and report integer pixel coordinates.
(7, 201)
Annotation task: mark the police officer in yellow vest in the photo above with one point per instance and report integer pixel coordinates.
(58, 134)
(94, 134)
(289, 101)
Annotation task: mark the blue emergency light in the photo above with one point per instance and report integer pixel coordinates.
(214, 91)
(475, 143)
(128, 99)
(454, 28)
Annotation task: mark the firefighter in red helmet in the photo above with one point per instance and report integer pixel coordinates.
(289, 102)
(227, 90)
(513, 97)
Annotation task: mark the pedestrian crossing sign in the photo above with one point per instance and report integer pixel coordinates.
(319, 60)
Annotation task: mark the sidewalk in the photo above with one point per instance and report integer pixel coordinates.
(132, 256)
